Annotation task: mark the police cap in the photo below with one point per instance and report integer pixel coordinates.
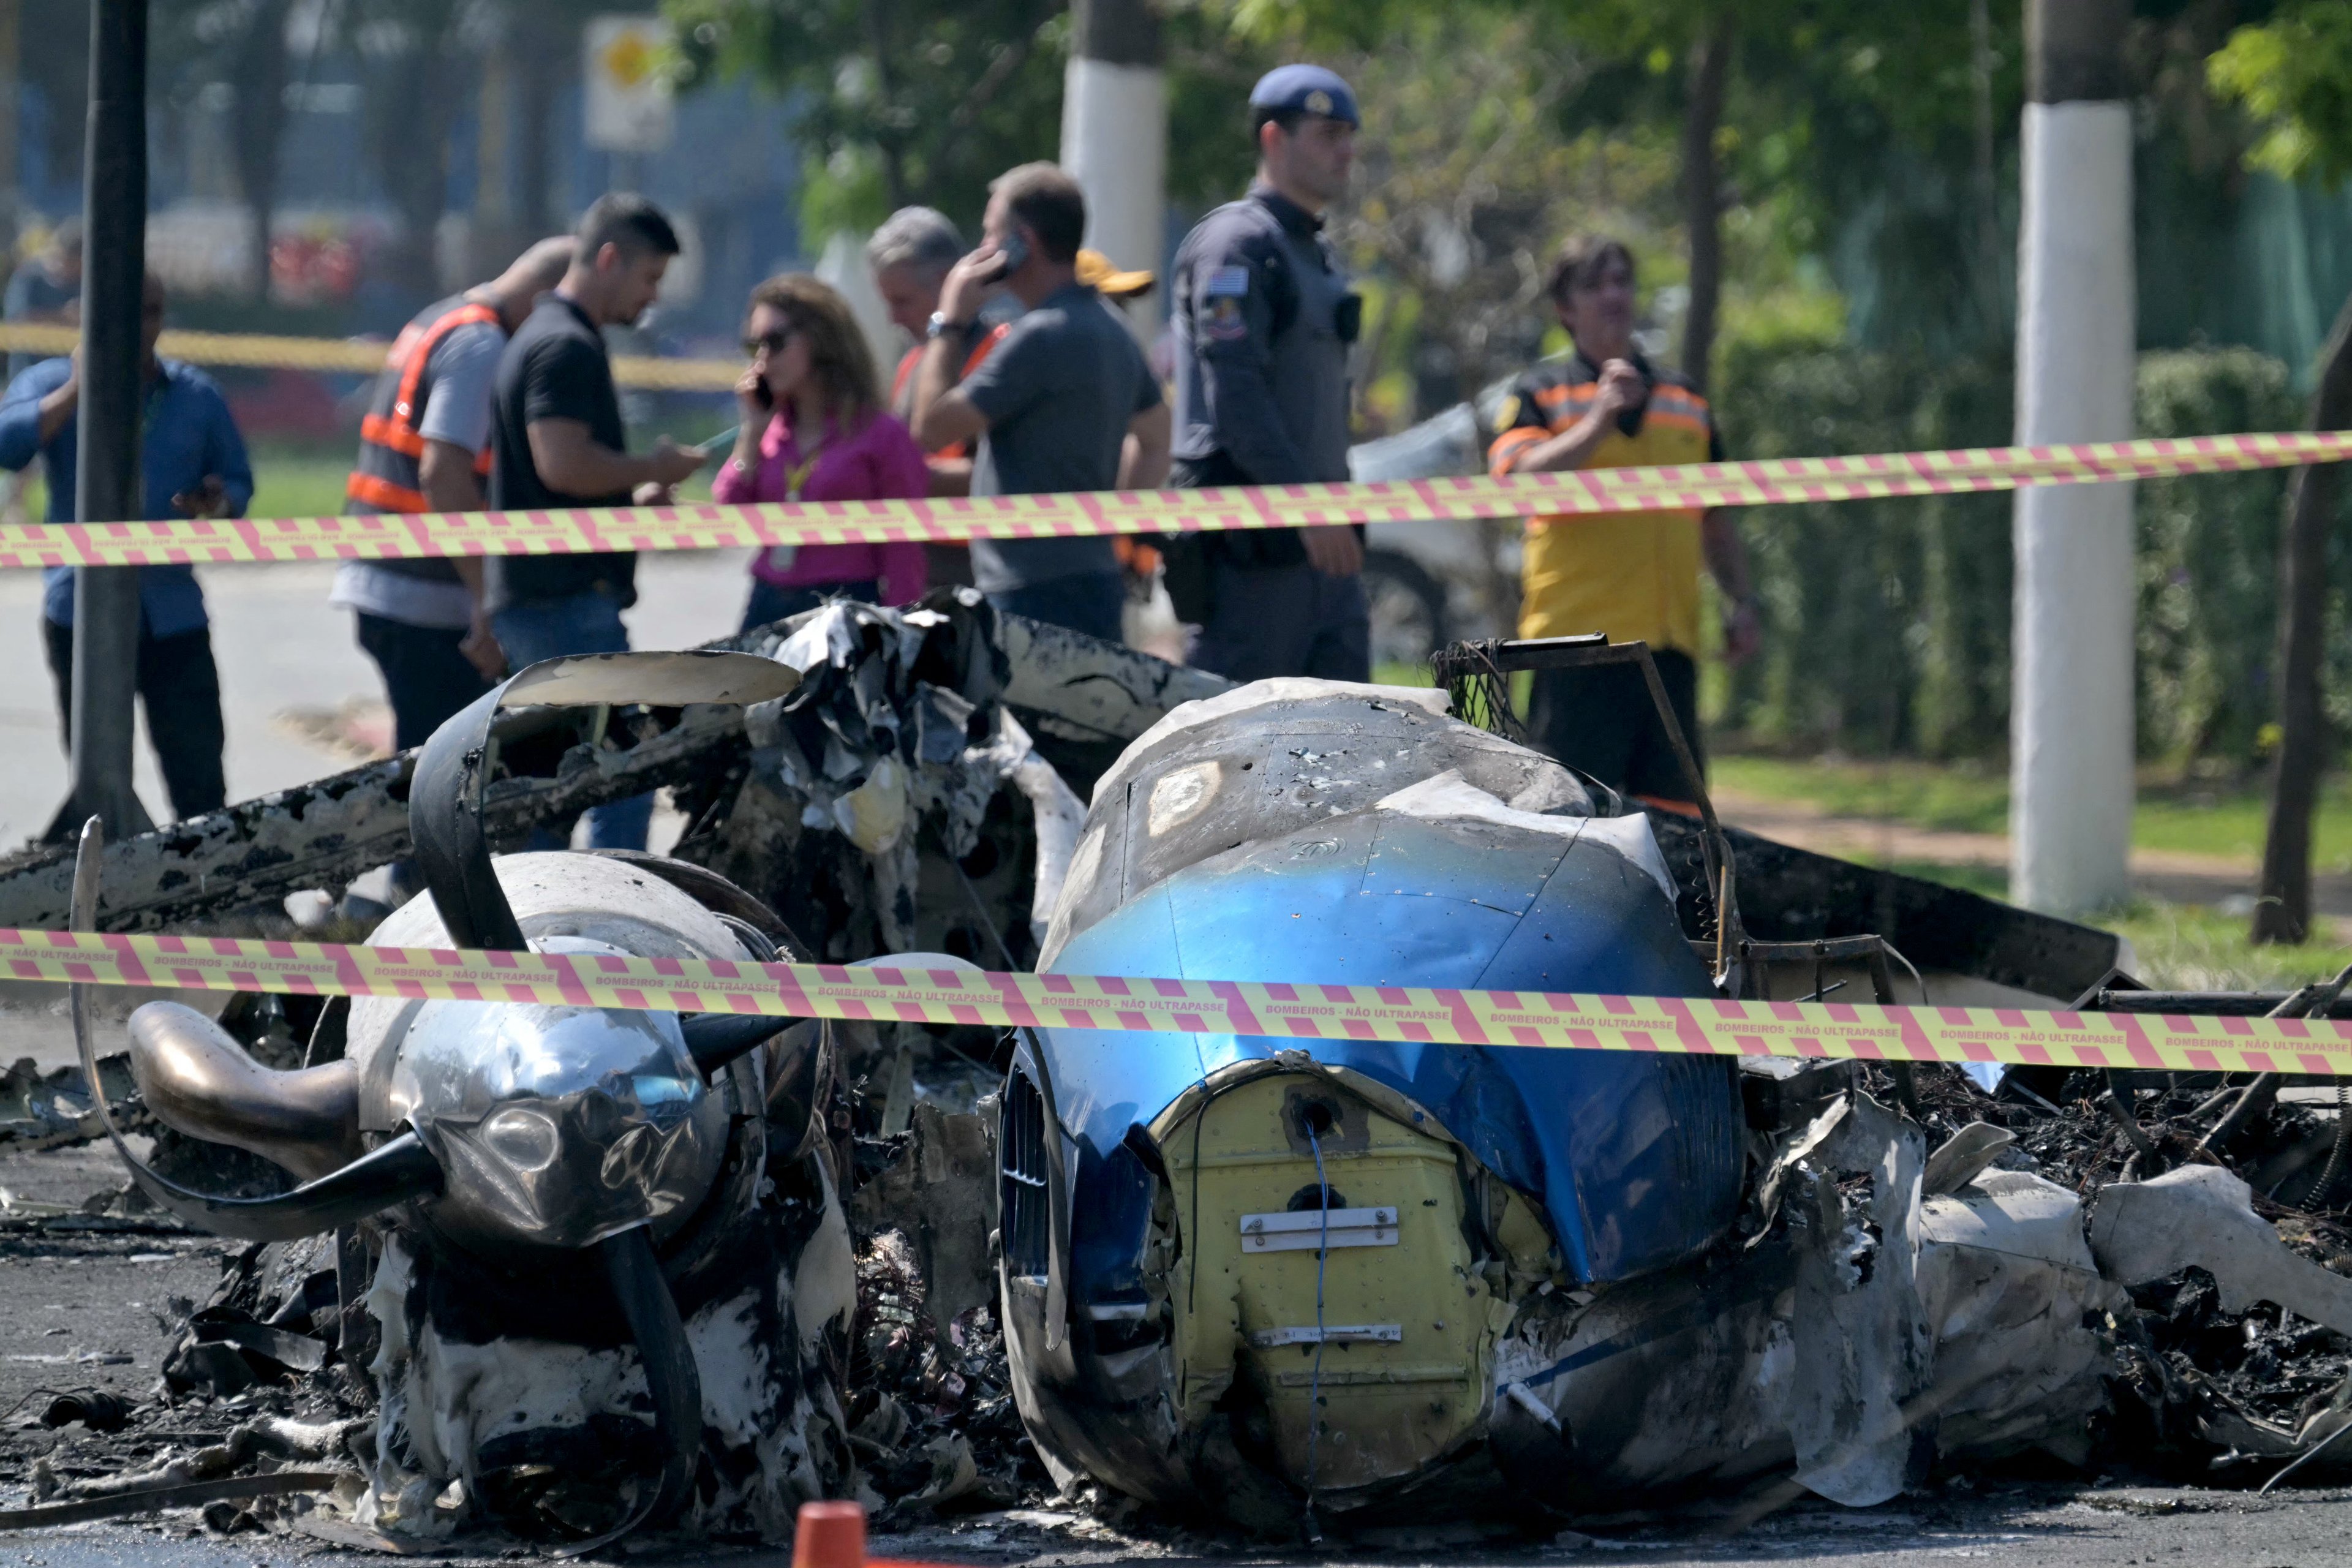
(1306, 90)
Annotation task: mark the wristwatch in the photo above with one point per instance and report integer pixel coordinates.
(939, 326)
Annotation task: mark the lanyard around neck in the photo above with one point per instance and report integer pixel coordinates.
(796, 475)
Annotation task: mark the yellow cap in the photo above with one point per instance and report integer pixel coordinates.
(1094, 270)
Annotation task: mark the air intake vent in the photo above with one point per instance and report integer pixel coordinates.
(1024, 1189)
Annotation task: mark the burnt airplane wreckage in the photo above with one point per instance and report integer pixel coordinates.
(1236, 1278)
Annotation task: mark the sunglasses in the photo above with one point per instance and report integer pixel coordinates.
(773, 341)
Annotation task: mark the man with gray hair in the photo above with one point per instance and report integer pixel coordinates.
(909, 256)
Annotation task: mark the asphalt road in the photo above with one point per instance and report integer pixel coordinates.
(288, 662)
(2032, 1528)
(87, 1309)
(299, 700)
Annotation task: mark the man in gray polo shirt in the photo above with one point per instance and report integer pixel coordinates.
(1066, 402)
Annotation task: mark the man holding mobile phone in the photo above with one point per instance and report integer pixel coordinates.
(559, 442)
(1066, 402)
(1634, 575)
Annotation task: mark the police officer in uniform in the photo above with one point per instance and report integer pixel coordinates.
(1262, 319)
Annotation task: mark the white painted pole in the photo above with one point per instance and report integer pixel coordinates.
(1115, 135)
(2071, 721)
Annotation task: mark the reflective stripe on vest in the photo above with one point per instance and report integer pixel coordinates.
(389, 476)
(384, 495)
(902, 383)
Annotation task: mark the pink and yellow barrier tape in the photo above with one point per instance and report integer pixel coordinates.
(1583, 493)
(1304, 1012)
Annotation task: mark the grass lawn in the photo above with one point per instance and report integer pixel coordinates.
(307, 479)
(2184, 946)
(1402, 675)
(299, 482)
(308, 482)
(1974, 798)
(2187, 947)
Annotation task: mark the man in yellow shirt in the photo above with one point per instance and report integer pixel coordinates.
(1632, 574)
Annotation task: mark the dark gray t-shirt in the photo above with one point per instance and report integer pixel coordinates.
(1058, 393)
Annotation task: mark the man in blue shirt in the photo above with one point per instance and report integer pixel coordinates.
(192, 463)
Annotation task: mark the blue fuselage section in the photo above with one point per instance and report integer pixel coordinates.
(1637, 1159)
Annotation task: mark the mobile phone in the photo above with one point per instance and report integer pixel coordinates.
(1629, 420)
(1012, 256)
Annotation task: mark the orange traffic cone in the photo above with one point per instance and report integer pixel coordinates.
(830, 1535)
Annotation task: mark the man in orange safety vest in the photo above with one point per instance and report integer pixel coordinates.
(424, 445)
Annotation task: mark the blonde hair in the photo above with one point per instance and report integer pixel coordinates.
(838, 356)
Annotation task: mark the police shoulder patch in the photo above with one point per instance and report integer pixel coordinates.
(1226, 282)
(1224, 320)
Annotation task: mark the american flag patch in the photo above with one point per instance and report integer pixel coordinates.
(1226, 280)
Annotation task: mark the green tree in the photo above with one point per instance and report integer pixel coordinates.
(902, 101)
(537, 44)
(2292, 77)
(240, 45)
(927, 100)
(418, 57)
(1798, 113)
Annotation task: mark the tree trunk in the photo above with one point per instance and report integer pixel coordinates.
(257, 124)
(2282, 910)
(545, 49)
(1710, 65)
(418, 88)
(1990, 291)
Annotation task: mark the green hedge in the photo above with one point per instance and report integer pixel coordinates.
(1887, 622)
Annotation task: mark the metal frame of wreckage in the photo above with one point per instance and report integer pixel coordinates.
(1820, 910)
(1084, 698)
(1084, 701)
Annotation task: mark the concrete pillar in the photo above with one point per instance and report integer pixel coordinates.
(114, 261)
(1115, 134)
(2071, 703)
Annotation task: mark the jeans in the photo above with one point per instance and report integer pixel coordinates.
(769, 603)
(1090, 603)
(425, 679)
(538, 630)
(1266, 621)
(180, 686)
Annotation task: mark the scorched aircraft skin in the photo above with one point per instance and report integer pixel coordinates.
(1259, 1279)
(1244, 1275)
(560, 1220)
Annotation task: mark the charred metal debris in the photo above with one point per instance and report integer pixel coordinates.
(546, 1277)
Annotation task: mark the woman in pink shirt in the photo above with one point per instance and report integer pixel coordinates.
(813, 428)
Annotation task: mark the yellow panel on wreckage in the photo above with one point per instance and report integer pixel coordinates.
(1409, 1316)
